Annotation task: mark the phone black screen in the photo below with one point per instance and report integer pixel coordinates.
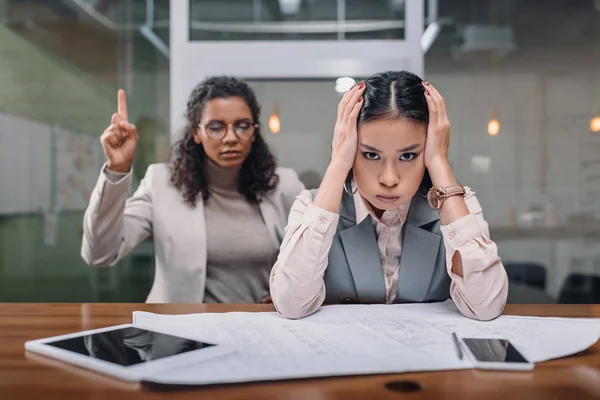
(494, 350)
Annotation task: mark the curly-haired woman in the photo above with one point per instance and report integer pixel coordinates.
(216, 212)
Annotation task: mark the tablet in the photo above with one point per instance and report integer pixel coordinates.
(128, 352)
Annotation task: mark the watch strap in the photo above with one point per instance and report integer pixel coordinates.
(453, 190)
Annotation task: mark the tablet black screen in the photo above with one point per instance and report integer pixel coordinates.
(128, 346)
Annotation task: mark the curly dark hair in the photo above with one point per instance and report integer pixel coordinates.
(188, 170)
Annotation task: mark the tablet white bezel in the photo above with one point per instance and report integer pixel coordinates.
(497, 366)
(134, 373)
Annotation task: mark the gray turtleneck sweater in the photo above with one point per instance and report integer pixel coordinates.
(240, 251)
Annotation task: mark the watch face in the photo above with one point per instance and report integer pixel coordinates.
(433, 200)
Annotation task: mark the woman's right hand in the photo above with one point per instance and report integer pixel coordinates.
(119, 140)
(345, 136)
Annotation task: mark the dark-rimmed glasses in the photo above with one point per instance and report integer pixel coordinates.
(216, 130)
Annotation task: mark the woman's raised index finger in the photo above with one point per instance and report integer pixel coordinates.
(122, 105)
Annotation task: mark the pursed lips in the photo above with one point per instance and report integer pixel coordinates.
(387, 198)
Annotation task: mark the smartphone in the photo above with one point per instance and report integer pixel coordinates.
(496, 354)
(128, 352)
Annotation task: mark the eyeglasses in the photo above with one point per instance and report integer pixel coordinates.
(216, 130)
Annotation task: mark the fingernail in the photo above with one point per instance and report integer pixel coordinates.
(425, 83)
(427, 92)
(360, 99)
(361, 84)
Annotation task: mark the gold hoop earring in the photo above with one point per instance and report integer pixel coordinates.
(347, 191)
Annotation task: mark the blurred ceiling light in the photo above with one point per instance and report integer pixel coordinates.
(344, 84)
(289, 7)
(274, 122)
(494, 125)
(595, 124)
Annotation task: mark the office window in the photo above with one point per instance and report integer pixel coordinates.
(296, 20)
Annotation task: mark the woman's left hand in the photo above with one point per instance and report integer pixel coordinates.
(438, 130)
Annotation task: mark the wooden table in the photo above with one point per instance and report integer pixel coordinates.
(30, 376)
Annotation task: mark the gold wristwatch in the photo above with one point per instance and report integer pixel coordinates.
(436, 197)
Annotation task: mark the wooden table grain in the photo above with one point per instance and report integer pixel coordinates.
(30, 376)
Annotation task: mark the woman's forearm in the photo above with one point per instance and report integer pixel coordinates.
(329, 195)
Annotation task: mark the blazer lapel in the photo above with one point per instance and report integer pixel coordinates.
(187, 242)
(362, 254)
(271, 218)
(420, 249)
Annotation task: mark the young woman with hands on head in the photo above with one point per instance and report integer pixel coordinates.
(389, 222)
(216, 211)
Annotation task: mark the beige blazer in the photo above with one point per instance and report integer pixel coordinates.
(114, 224)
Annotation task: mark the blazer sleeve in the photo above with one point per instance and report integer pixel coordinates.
(114, 224)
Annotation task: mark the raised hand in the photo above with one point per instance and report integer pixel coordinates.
(438, 130)
(120, 139)
(345, 136)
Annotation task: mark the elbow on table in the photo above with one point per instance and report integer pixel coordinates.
(289, 308)
(493, 307)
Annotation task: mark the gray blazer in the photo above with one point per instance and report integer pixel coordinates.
(354, 273)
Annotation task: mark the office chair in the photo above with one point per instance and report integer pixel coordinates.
(528, 273)
(580, 288)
